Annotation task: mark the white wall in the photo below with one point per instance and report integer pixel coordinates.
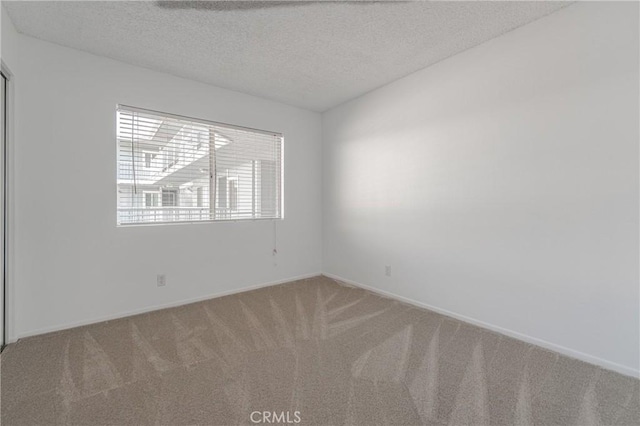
(72, 264)
(502, 184)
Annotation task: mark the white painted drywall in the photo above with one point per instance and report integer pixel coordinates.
(72, 264)
(8, 36)
(502, 184)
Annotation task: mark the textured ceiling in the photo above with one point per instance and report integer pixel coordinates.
(315, 55)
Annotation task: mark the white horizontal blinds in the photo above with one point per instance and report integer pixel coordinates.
(178, 169)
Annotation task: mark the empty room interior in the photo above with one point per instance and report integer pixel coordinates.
(320, 213)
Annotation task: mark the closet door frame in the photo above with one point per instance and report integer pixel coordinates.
(7, 96)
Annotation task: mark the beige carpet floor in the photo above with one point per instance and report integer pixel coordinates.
(336, 354)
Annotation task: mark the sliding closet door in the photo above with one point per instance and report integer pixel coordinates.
(3, 178)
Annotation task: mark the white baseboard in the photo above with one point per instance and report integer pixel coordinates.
(156, 307)
(622, 369)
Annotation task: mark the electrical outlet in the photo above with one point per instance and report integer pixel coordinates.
(387, 270)
(161, 280)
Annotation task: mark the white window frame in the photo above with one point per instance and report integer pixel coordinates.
(156, 193)
(176, 159)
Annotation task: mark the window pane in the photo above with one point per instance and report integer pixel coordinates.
(179, 169)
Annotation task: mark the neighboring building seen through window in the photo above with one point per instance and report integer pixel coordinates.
(179, 169)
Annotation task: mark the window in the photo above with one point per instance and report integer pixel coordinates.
(199, 194)
(179, 169)
(148, 159)
(233, 194)
(169, 197)
(151, 199)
